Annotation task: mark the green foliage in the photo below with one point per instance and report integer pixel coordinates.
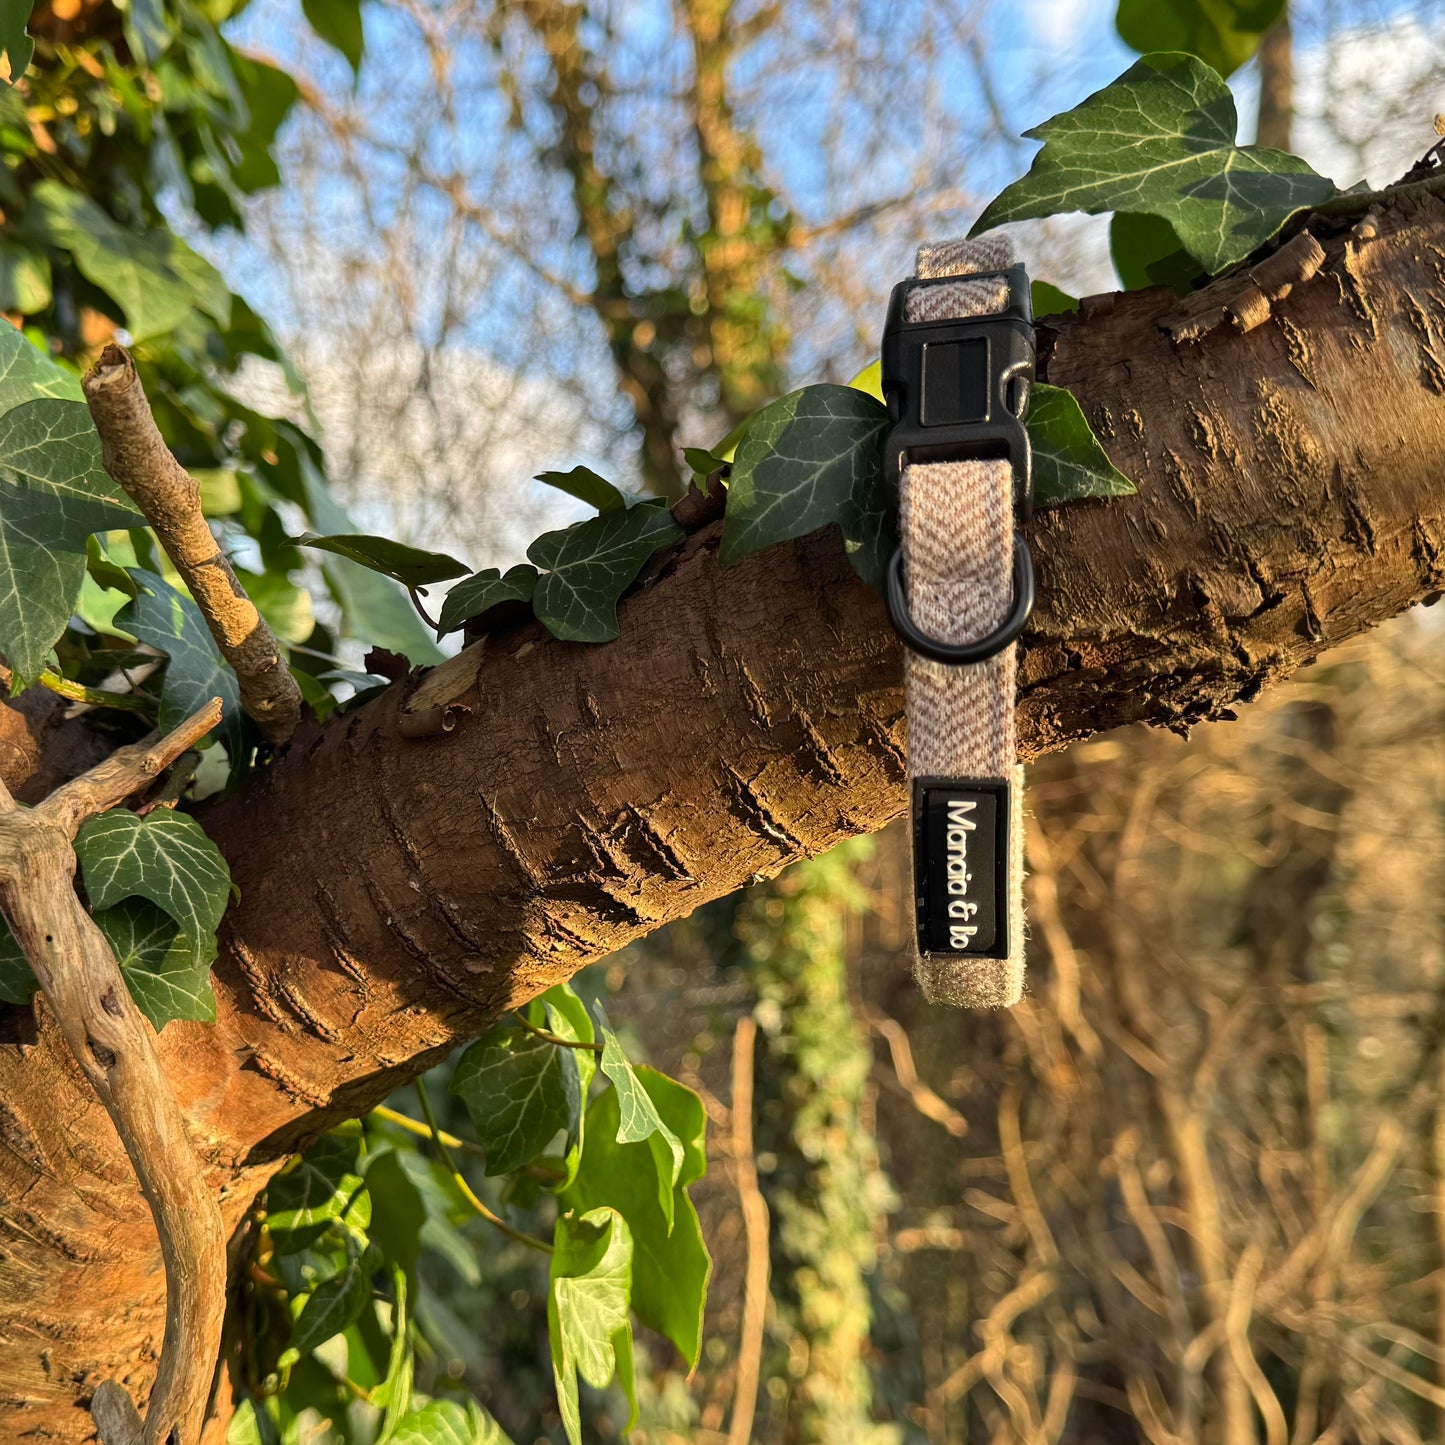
(671, 1265)
(584, 484)
(167, 974)
(521, 1091)
(812, 458)
(587, 1309)
(445, 1422)
(585, 569)
(410, 566)
(1068, 461)
(1161, 140)
(1147, 252)
(1222, 33)
(338, 23)
(474, 595)
(15, 39)
(1048, 300)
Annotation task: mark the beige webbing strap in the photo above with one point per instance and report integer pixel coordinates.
(957, 521)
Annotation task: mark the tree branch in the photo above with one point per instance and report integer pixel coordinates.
(113, 1044)
(170, 499)
(1289, 498)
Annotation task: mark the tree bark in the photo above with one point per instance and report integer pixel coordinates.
(398, 890)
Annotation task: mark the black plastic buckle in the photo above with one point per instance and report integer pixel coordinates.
(959, 391)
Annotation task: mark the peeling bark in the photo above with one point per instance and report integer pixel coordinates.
(397, 891)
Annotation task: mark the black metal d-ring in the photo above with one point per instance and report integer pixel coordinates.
(956, 654)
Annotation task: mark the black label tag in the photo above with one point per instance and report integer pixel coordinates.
(960, 865)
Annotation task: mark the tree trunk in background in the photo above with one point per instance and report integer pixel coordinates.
(1276, 86)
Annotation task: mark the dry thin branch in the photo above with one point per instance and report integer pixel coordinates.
(755, 1224)
(137, 457)
(115, 1048)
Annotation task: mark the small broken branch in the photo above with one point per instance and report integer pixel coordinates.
(755, 1227)
(115, 1048)
(137, 457)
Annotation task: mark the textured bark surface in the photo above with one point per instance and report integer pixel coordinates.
(402, 880)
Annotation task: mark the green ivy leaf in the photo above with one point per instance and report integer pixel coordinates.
(703, 462)
(1146, 252)
(587, 486)
(164, 857)
(15, 39)
(164, 619)
(155, 278)
(334, 1304)
(813, 457)
(167, 972)
(1068, 460)
(408, 565)
(398, 1212)
(393, 1392)
(638, 1118)
(1161, 140)
(317, 1190)
(445, 1422)
(588, 566)
(24, 279)
(587, 1300)
(338, 23)
(567, 1017)
(521, 1091)
(474, 595)
(371, 605)
(285, 606)
(27, 373)
(17, 982)
(1048, 300)
(53, 494)
(670, 1266)
(1222, 33)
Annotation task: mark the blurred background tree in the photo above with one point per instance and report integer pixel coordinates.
(1193, 1188)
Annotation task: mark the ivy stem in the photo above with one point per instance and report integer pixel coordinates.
(415, 1126)
(78, 692)
(530, 1240)
(415, 594)
(557, 1039)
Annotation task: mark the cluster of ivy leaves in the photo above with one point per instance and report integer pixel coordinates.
(150, 100)
(558, 1112)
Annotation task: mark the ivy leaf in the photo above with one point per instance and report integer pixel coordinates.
(813, 457)
(1048, 300)
(164, 619)
(474, 595)
(588, 566)
(398, 1211)
(1161, 140)
(587, 1300)
(53, 494)
(371, 605)
(670, 1268)
(303, 1199)
(393, 1393)
(333, 1305)
(17, 982)
(408, 565)
(1068, 460)
(15, 39)
(155, 278)
(638, 1119)
(702, 461)
(587, 486)
(338, 23)
(1222, 33)
(27, 373)
(445, 1422)
(521, 1091)
(164, 857)
(24, 279)
(567, 1017)
(167, 972)
(1146, 252)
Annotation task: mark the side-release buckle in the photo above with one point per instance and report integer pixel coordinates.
(958, 390)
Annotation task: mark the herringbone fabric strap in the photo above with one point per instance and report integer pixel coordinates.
(957, 524)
